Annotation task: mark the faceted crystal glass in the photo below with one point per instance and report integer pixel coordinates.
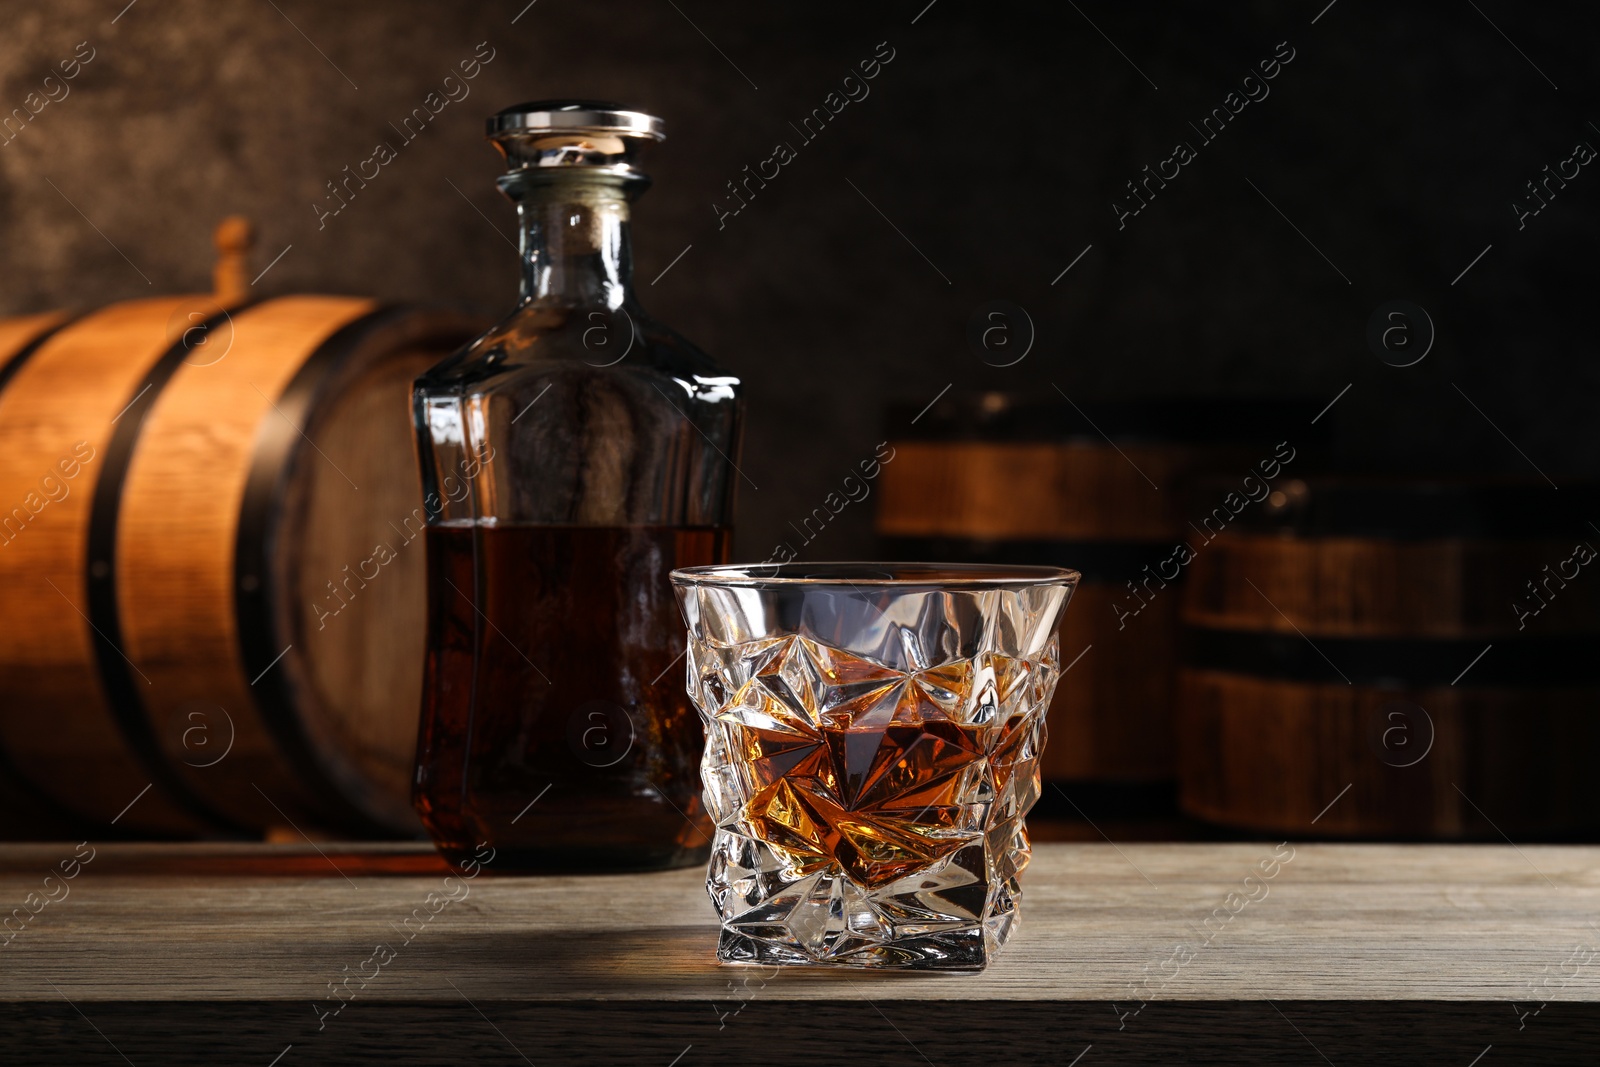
(873, 734)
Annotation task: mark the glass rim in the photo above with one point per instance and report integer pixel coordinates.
(879, 574)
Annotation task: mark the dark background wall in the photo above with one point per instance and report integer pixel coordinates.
(986, 158)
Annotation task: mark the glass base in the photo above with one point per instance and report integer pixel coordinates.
(945, 917)
(966, 950)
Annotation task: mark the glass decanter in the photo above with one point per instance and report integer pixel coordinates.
(572, 457)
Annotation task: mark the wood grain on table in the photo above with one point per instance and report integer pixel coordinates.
(1437, 939)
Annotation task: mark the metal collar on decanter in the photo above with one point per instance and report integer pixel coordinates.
(573, 133)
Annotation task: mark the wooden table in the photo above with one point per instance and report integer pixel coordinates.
(1350, 954)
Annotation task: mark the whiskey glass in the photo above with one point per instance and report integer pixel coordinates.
(873, 734)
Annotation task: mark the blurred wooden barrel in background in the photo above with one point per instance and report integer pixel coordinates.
(1396, 659)
(1005, 479)
(213, 620)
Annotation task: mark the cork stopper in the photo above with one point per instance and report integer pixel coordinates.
(234, 237)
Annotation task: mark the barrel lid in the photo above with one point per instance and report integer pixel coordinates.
(1402, 507)
(1012, 416)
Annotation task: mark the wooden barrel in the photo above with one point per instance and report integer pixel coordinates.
(1396, 659)
(1000, 478)
(213, 601)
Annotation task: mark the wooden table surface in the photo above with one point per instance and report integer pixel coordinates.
(1146, 952)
